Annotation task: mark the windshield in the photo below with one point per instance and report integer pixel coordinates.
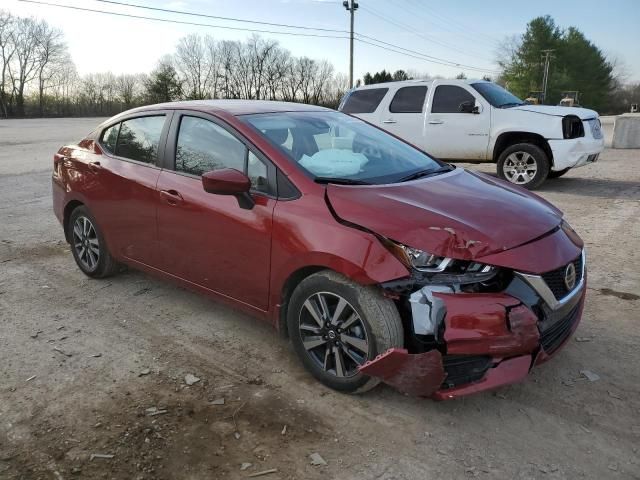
(496, 95)
(332, 146)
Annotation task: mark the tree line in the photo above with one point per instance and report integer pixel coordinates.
(38, 77)
(576, 64)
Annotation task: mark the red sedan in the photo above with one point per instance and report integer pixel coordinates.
(379, 262)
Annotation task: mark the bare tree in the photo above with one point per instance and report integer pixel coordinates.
(50, 52)
(128, 87)
(24, 68)
(7, 50)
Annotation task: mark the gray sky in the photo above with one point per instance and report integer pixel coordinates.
(465, 31)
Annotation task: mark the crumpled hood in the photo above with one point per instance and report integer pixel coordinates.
(458, 214)
(582, 113)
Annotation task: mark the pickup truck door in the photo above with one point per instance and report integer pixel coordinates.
(453, 134)
(402, 114)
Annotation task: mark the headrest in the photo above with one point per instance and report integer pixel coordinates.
(277, 135)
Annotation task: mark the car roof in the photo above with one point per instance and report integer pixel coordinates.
(408, 83)
(232, 107)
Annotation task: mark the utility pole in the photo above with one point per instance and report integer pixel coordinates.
(351, 6)
(545, 78)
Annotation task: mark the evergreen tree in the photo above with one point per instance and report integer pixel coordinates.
(163, 84)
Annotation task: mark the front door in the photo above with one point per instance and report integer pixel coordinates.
(209, 239)
(452, 134)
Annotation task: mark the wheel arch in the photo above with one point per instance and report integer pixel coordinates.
(68, 208)
(506, 139)
(288, 287)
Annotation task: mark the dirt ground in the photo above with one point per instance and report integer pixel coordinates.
(98, 366)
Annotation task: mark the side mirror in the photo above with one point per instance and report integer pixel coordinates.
(468, 107)
(229, 181)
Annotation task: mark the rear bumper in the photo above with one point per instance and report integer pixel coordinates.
(57, 191)
(491, 340)
(575, 152)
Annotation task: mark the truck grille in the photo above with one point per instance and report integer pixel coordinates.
(553, 336)
(555, 278)
(462, 369)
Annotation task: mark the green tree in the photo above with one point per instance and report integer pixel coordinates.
(163, 84)
(399, 75)
(576, 64)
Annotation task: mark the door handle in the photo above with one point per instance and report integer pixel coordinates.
(95, 167)
(389, 121)
(436, 122)
(172, 197)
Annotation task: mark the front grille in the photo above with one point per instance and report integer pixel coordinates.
(553, 336)
(555, 278)
(462, 369)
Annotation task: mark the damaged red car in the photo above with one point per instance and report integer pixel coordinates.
(378, 261)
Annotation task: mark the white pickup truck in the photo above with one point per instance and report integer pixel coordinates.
(479, 121)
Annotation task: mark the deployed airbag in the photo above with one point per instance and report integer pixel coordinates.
(334, 163)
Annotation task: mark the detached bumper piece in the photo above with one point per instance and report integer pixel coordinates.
(491, 340)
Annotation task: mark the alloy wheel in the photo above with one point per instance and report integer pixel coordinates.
(333, 334)
(520, 168)
(85, 243)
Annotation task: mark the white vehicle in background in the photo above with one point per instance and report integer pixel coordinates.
(479, 121)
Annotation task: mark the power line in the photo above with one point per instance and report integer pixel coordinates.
(231, 19)
(421, 56)
(182, 22)
(394, 48)
(442, 61)
(462, 28)
(410, 29)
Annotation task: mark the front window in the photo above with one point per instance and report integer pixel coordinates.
(496, 95)
(331, 146)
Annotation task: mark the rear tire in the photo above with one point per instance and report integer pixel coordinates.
(88, 245)
(523, 164)
(332, 347)
(558, 173)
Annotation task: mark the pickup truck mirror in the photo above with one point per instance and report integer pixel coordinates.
(468, 107)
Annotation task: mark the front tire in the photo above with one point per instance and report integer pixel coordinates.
(524, 164)
(88, 245)
(336, 325)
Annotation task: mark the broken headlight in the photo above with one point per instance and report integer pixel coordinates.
(439, 269)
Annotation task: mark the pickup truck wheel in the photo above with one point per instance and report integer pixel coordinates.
(558, 173)
(336, 325)
(524, 164)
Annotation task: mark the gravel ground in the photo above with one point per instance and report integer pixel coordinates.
(98, 366)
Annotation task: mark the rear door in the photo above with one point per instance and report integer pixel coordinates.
(209, 239)
(123, 184)
(452, 134)
(403, 114)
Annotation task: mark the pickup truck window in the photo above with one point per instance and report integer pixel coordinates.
(364, 101)
(408, 100)
(447, 99)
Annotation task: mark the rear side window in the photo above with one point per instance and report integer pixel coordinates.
(447, 99)
(364, 101)
(408, 100)
(109, 138)
(139, 139)
(204, 146)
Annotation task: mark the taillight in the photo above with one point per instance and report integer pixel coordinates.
(57, 164)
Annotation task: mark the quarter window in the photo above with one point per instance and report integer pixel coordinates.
(447, 99)
(204, 146)
(364, 101)
(110, 137)
(408, 100)
(258, 173)
(139, 139)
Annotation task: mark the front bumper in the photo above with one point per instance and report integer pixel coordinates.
(489, 340)
(575, 152)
